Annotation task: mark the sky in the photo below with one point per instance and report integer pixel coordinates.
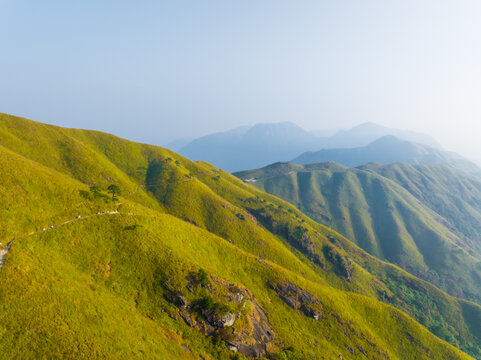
(156, 71)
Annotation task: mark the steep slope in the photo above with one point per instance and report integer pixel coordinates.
(381, 217)
(449, 193)
(387, 150)
(125, 279)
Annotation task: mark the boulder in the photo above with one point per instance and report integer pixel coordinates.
(227, 319)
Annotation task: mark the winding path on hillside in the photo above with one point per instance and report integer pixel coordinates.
(6, 249)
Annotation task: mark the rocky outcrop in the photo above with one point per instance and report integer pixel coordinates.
(226, 320)
(218, 317)
(254, 337)
(298, 299)
(342, 265)
(297, 236)
(217, 314)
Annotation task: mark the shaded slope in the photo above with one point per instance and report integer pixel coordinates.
(449, 193)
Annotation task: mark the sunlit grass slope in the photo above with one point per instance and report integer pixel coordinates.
(108, 285)
(91, 313)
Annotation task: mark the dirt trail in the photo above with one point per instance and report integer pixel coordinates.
(6, 249)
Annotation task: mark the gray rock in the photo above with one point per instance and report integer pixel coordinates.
(227, 319)
(289, 301)
(238, 297)
(231, 347)
(187, 318)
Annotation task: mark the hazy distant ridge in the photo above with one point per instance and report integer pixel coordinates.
(262, 144)
(388, 150)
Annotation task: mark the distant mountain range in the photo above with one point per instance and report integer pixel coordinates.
(262, 144)
(388, 150)
(366, 133)
(247, 147)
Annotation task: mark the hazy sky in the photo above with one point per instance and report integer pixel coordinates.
(155, 71)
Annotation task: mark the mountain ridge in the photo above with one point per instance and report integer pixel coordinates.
(382, 217)
(387, 150)
(262, 144)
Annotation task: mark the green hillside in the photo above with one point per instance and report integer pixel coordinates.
(189, 262)
(457, 198)
(382, 217)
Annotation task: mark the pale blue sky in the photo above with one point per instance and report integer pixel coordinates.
(155, 71)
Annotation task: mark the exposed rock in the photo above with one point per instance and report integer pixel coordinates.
(297, 236)
(310, 312)
(226, 320)
(351, 350)
(237, 294)
(342, 265)
(231, 347)
(3, 253)
(212, 316)
(256, 351)
(176, 297)
(240, 216)
(254, 339)
(289, 300)
(184, 314)
(238, 297)
(362, 351)
(298, 299)
(190, 221)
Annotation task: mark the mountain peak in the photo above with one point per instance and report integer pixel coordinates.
(368, 125)
(265, 143)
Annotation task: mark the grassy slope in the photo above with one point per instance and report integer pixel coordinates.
(418, 298)
(29, 268)
(455, 197)
(381, 216)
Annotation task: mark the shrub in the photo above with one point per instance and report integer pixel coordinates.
(203, 304)
(203, 277)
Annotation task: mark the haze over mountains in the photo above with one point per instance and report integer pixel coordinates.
(262, 144)
(189, 262)
(387, 150)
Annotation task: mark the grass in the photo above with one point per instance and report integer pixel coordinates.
(98, 287)
(389, 221)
